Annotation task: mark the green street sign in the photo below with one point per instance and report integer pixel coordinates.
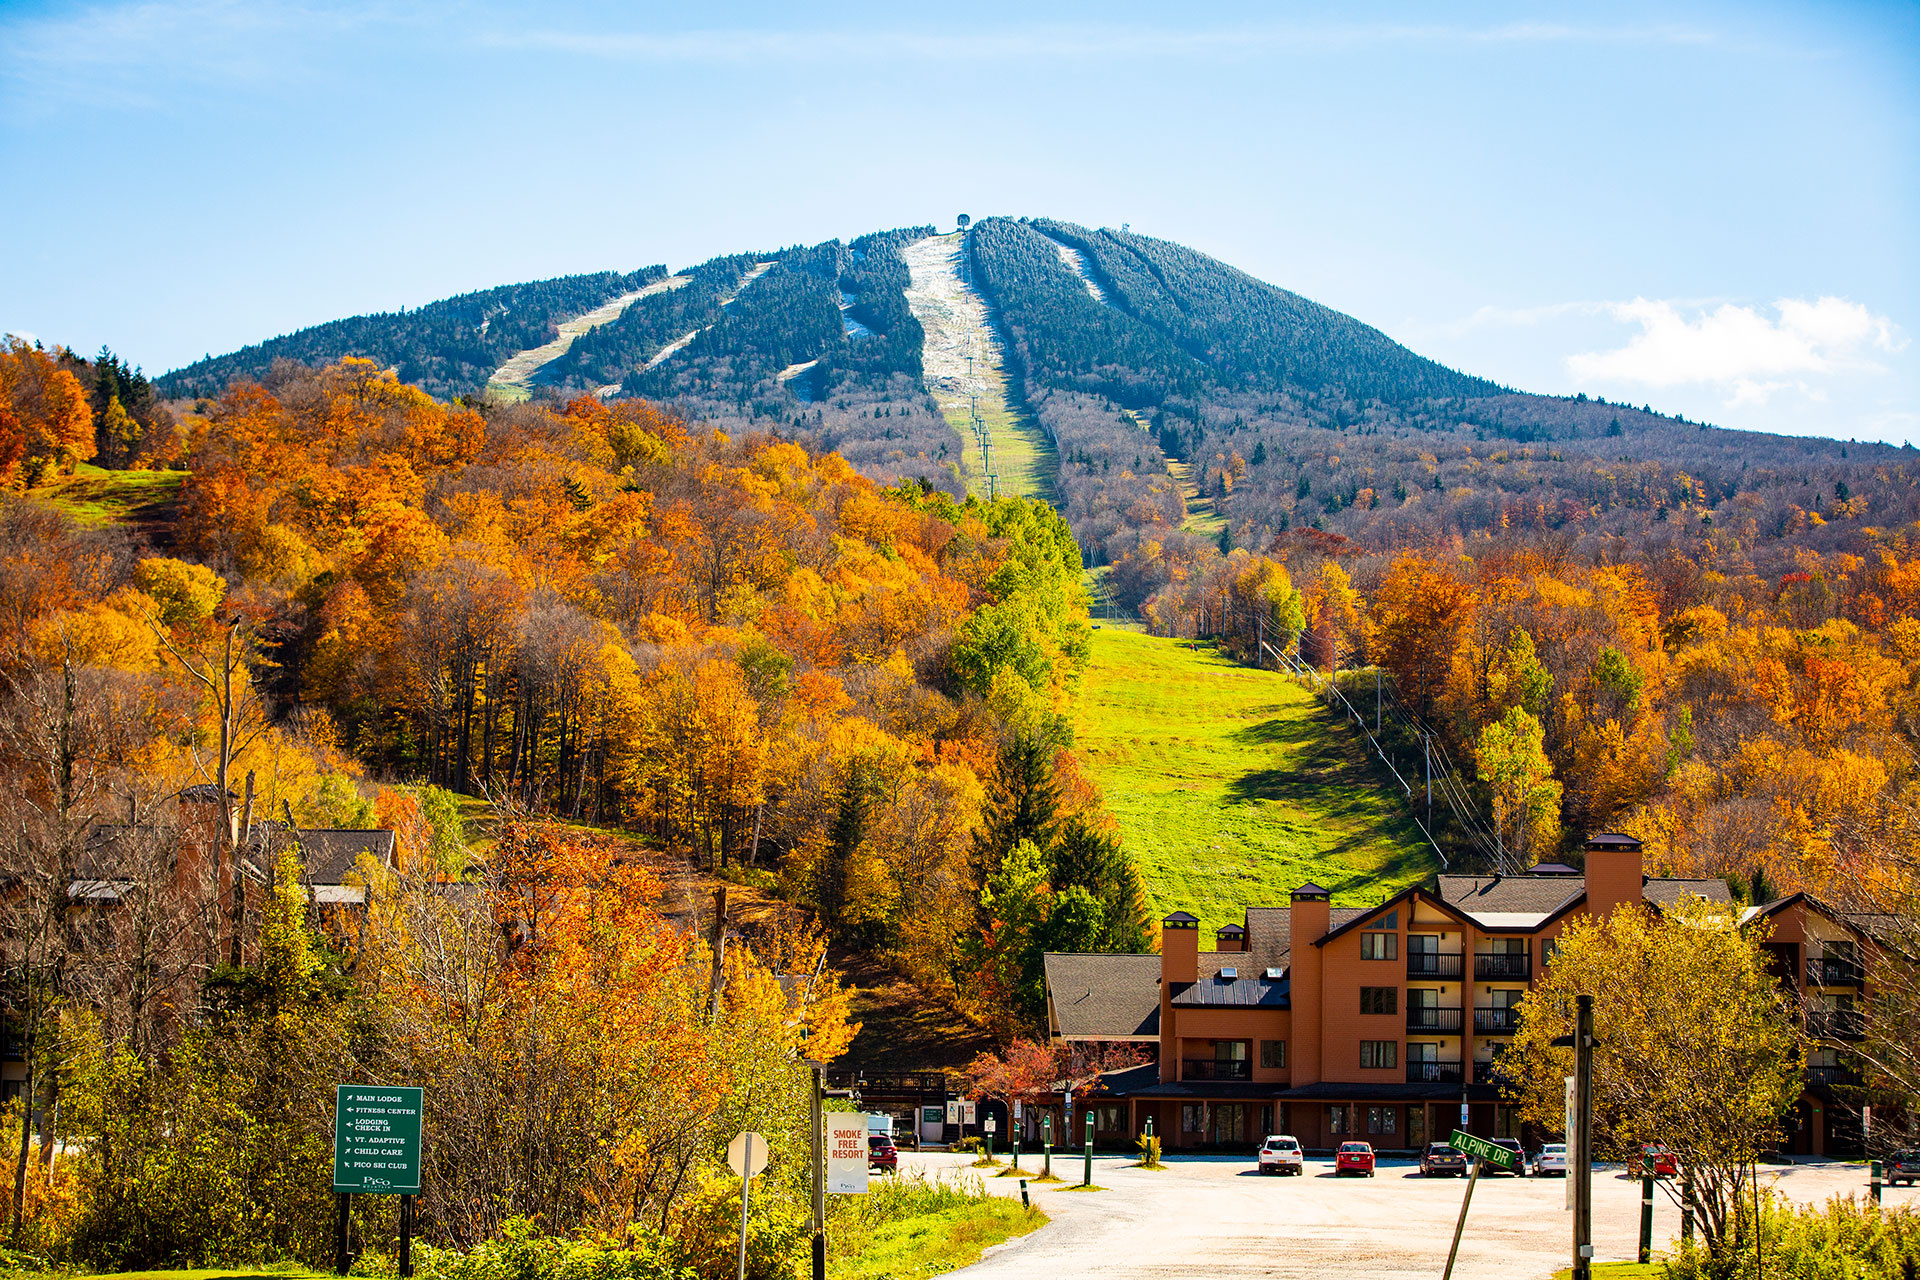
(376, 1139)
(1481, 1149)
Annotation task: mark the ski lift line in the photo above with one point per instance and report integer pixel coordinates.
(1449, 785)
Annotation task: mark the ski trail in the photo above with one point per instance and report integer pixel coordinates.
(680, 343)
(519, 369)
(962, 365)
(854, 328)
(1077, 263)
(801, 387)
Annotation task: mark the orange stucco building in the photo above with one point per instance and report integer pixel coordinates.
(1380, 1023)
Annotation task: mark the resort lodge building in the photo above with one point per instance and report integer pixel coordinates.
(1385, 1023)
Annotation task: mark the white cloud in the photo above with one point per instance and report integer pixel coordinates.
(1747, 352)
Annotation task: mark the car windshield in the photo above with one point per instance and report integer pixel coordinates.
(1554, 1149)
(1353, 1146)
(1441, 1149)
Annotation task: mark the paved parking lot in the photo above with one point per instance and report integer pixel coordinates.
(1215, 1216)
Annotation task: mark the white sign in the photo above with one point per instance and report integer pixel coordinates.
(993, 1126)
(747, 1154)
(953, 1113)
(1016, 1108)
(1573, 1139)
(847, 1152)
(969, 1113)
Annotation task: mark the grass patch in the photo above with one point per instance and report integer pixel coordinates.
(94, 496)
(1232, 785)
(909, 1227)
(1617, 1271)
(1081, 1186)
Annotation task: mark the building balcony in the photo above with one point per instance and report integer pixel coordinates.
(1212, 1069)
(1496, 1021)
(1433, 1020)
(1435, 964)
(1843, 1076)
(1826, 971)
(1494, 967)
(1434, 1073)
(1836, 1024)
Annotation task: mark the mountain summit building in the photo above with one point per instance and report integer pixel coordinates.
(1381, 1023)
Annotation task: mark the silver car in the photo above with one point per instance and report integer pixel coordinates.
(1549, 1160)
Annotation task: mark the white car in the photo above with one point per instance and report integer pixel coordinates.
(1281, 1154)
(1550, 1160)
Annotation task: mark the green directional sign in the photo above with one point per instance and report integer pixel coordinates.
(1481, 1149)
(376, 1140)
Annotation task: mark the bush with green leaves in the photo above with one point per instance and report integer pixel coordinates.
(521, 1252)
(1844, 1239)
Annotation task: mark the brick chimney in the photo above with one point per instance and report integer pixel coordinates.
(1230, 937)
(1614, 875)
(1308, 918)
(198, 861)
(1179, 967)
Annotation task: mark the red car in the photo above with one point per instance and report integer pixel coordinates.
(882, 1154)
(1657, 1158)
(1353, 1157)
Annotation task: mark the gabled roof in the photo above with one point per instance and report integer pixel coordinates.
(1540, 894)
(1103, 997)
(1357, 915)
(1865, 924)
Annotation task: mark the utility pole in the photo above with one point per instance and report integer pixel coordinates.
(1583, 1151)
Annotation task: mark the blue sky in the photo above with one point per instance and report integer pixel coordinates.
(1711, 209)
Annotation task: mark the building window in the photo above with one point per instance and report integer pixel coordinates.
(1379, 999)
(1379, 1054)
(1273, 1054)
(1391, 920)
(1336, 1119)
(1379, 946)
(1548, 946)
(1193, 1117)
(1503, 1125)
(1382, 1120)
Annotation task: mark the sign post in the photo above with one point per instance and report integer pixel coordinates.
(1086, 1177)
(990, 1126)
(1046, 1143)
(376, 1151)
(746, 1156)
(1483, 1153)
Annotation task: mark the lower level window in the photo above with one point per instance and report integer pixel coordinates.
(1379, 1053)
(1336, 1119)
(1273, 1054)
(1192, 1117)
(1381, 1120)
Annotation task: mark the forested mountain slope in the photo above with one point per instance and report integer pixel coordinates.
(450, 347)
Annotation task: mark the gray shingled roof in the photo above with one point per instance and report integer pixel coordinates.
(1543, 894)
(1667, 892)
(1104, 996)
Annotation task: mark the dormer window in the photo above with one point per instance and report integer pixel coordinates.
(1229, 973)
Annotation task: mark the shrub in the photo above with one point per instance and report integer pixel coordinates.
(522, 1253)
(1149, 1151)
(1845, 1239)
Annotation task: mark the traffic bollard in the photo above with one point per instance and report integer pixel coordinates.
(1024, 1202)
(1874, 1176)
(1086, 1178)
(1646, 1219)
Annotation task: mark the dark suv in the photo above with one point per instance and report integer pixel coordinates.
(1903, 1166)
(1519, 1157)
(1439, 1158)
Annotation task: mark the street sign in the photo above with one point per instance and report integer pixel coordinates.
(376, 1139)
(747, 1154)
(1481, 1149)
(847, 1152)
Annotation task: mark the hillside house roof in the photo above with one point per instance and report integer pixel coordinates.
(1104, 997)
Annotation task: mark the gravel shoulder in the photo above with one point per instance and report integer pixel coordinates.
(1216, 1216)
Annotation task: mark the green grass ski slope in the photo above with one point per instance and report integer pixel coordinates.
(1232, 785)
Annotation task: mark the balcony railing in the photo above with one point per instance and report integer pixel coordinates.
(1496, 1021)
(1434, 1020)
(1434, 964)
(1827, 971)
(1213, 1069)
(1434, 1073)
(1502, 967)
(1843, 1076)
(1836, 1024)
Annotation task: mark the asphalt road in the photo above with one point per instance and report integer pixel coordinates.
(1215, 1216)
